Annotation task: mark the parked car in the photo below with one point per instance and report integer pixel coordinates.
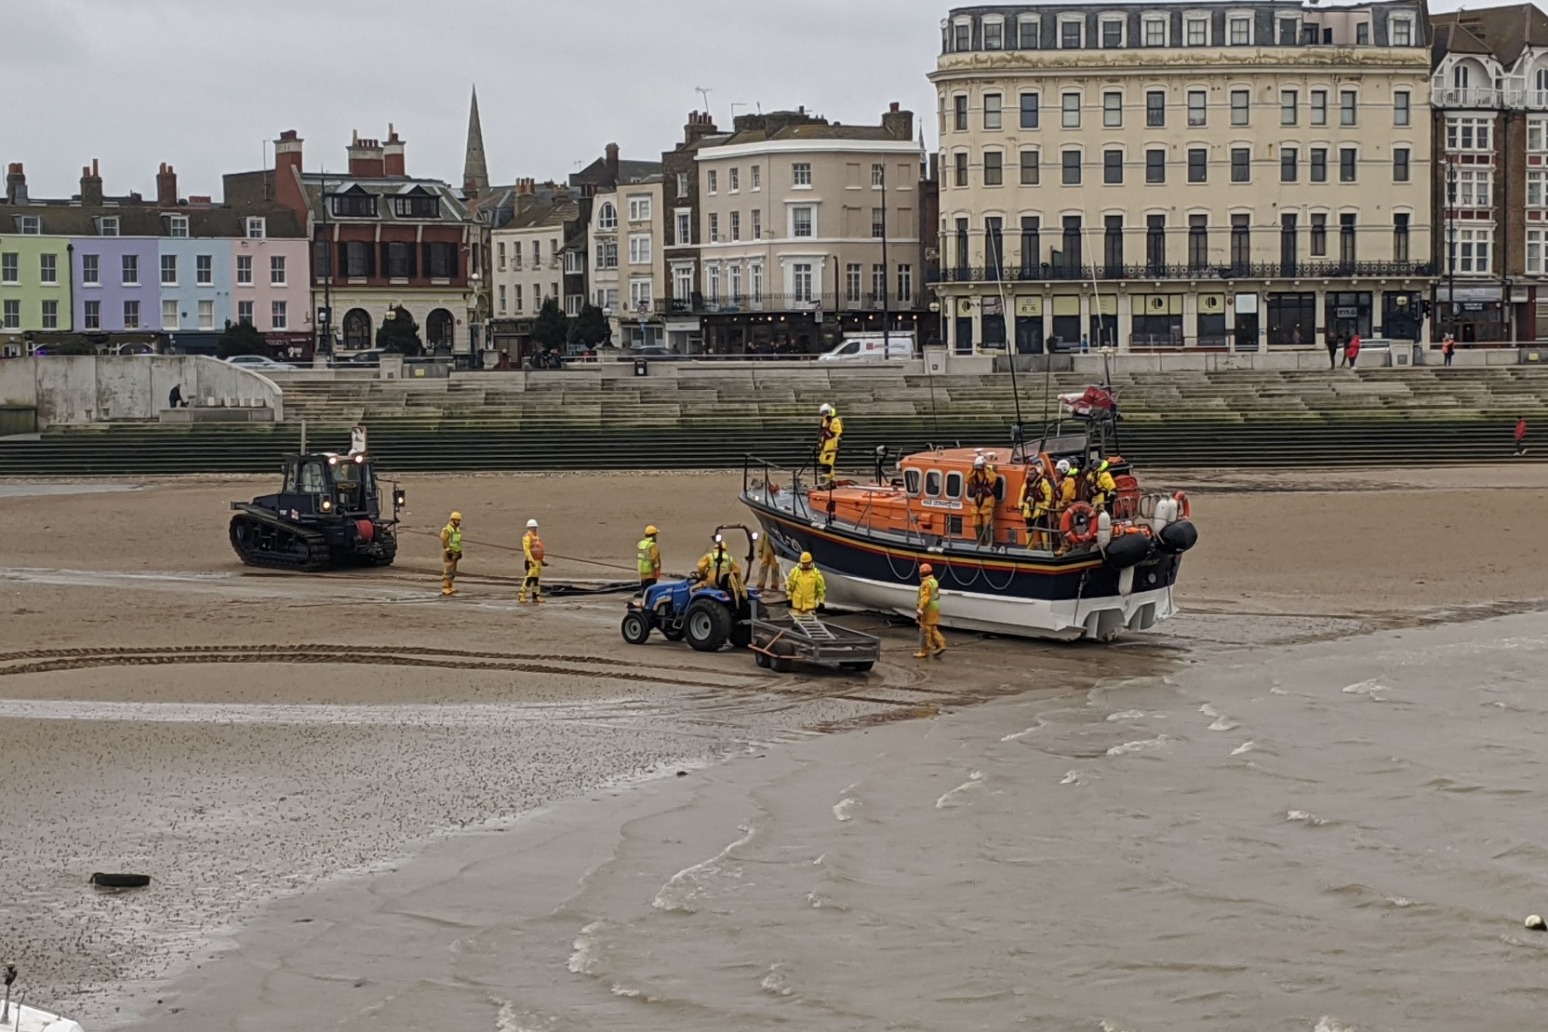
(373, 357)
(652, 353)
(260, 363)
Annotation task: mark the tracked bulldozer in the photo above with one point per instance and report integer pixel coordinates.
(328, 513)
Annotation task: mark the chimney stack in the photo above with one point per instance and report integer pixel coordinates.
(392, 153)
(91, 186)
(166, 187)
(700, 125)
(610, 180)
(366, 159)
(15, 184)
(898, 123)
(287, 173)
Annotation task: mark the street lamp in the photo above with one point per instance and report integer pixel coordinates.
(475, 284)
(940, 323)
(1451, 235)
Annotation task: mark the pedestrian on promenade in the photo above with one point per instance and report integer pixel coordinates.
(1352, 350)
(1332, 350)
(1448, 348)
(1521, 435)
(1085, 344)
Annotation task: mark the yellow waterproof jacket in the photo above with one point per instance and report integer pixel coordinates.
(451, 539)
(1069, 490)
(980, 486)
(806, 589)
(1037, 496)
(1101, 485)
(766, 554)
(714, 565)
(929, 597)
(532, 547)
(832, 430)
(648, 559)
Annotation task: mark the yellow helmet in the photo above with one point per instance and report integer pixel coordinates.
(806, 557)
(456, 516)
(650, 531)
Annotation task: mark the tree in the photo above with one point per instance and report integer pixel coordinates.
(551, 328)
(241, 338)
(399, 333)
(590, 328)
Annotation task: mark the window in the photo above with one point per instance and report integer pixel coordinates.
(400, 258)
(755, 273)
(1475, 187)
(1027, 31)
(503, 305)
(169, 315)
(277, 270)
(736, 225)
(712, 181)
(1112, 33)
(256, 227)
(639, 248)
(878, 223)
(244, 270)
(993, 116)
(415, 207)
(1155, 242)
(1346, 164)
(1346, 239)
(1029, 176)
(1287, 242)
(107, 226)
(1155, 166)
(994, 34)
(852, 282)
(91, 315)
(1534, 250)
(682, 283)
(1363, 34)
(1197, 104)
(1400, 237)
(358, 259)
(1241, 241)
(801, 222)
(1155, 32)
(1289, 32)
(1070, 241)
(1196, 32)
(639, 209)
(1241, 164)
(1112, 110)
(878, 177)
(1400, 164)
(1470, 134)
(684, 228)
(10, 267)
(1070, 32)
(736, 180)
(1031, 244)
(1402, 32)
(801, 282)
(1029, 111)
(1346, 107)
(169, 269)
(353, 205)
(757, 177)
(801, 174)
(757, 224)
(963, 40)
(607, 220)
(10, 315)
(1198, 162)
(960, 168)
(1198, 241)
(89, 273)
(1287, 107)
(994, 173)
(278, 318)
(1070, 110)
(1070, 167)
(1287, 164)
(1319, 165)
(48, 268)
(516, 303)
(204, 270)
(1402, 111)
(682, 191)
(1537, 135)
(1319, 107)
(1155, 109)
(177, 226)
(206, 315)
(1112, 166)
(1535, 193)
(1240, 99)
(878, 282)
(1239, 31)
(130, 266)
(51, 315)
(959, 112)
(131, 315)
(32, 225)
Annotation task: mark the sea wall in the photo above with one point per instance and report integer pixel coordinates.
(103, 389)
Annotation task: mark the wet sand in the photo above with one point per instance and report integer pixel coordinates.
(241, 734)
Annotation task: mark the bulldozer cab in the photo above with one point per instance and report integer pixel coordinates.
(329, 484)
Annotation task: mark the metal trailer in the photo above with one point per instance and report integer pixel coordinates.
(781, 644)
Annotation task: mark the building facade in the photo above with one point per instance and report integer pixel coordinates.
(807, 230)
(627, 249)
(1221, 175)
(681, 302)
(1489, 97)
(530, 258)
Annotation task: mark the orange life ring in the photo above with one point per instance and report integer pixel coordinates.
(1087, 518)
(1184, 507)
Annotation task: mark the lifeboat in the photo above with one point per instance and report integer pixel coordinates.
(1089, 574)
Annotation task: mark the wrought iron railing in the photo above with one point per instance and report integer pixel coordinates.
(1146, 271)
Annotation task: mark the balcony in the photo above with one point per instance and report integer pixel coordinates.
(1465, 98)
(1121, 273)
(725, 304)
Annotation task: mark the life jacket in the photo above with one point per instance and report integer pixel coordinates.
(645, 561)
(533, 546)
(980, 486)
(453, 538)
(929, 595)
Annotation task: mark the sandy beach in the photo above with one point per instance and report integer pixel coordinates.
(244, 735)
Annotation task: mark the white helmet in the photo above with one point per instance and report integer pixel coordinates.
(532, 524)
(1062, 466)
(825, 410)
(978, 463)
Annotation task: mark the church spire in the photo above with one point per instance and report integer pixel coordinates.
(475, 171)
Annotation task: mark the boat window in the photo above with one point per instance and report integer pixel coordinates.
(999, 489)
(911, 480)
(954, 485)
(933, 483)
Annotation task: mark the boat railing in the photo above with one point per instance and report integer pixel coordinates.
(759, 484)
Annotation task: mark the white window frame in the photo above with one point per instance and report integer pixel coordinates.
(244, 270)
(245, 312)
(1027, 28)
(755, 276)
(10, 267)
(1196, 30)
(736, 225)
(1469, 134)
(10, 314)
(683, 226)
(712, 182)
(1537, 135)
(639, 249)
(1112, 114)
(641, 288)
(48, 268)
(1123, 28)
(1069, 115)
(804, 283)
(206, 314)
(801, 175)
(714, 227)
(712, 282)
(31, 225)
(166, 323)
(504, 307)
(1148, 24)
(757, 224)
(994, 117)
(204, 270)
(639, 207)
(177, 227)
(50, 314)
(129, 265)
(257, 227)
(811, 223)
(1536, 241)
(735, 176)
(1079, 22)
(1396, 23)
(1475, 187)
(607, 221)
(169, 270)
(131, 315)
(1238, 20)
(757, 177)
(998, 41)
(277, 273)
(682, 282)
(91, 314)
(107, 226)
(1475, 250)
(1203, 109)
(279, 315)
(91, 270)
(1537, 188)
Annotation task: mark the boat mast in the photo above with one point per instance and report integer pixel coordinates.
(1008, 321)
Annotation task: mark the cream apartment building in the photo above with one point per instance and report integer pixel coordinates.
(806, 230)
(627, 247)
(528, 253)
(1236, 175)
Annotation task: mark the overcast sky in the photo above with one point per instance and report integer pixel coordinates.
(203, 84)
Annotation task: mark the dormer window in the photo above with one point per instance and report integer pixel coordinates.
(1112, 33)
(1239, 30)
(416, 207)
(1070, 33)
(107, 226)
(607, 217)
(354, 203)
(1196, 31)
(257, 228)
(1289, 31)
(1363, 34)
(177, 226)
(994, 34)
(962, 39)
(1402, 32)
(1155, 32)
(31, 225)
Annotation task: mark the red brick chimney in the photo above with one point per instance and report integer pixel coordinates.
(166, 187)
(91, 186)
(611, 163)
(898, 123)
(700, 125)
(366, 159)
(15, 184)
(287, 173)
(392, 153)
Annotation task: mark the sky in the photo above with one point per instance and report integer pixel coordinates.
(206, 84)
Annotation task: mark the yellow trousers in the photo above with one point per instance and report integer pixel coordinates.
(827, 458)
(930, 637)
(449, 575)
(984, 522)
(533, 583)
(768, 573)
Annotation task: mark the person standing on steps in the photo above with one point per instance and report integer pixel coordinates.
(1521, 435)
(1352, 350)
(829, 432)
(768, 565)
(1332, 350)
(927, 610)
(648, 559)
(532, 549)
(1448, 349)
(805, 588)
(451, 553)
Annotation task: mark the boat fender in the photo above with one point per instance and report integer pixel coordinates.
(1161, 514)
(1078, 524)
(1184, 507)
(1128, 550)
(1104, 529)
(1178, 537)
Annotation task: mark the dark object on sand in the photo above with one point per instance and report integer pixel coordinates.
(120, 881)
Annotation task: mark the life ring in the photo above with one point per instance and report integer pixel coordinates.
(1079, 524)
(1184, 507)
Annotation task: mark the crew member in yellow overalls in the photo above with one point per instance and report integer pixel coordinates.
(828, 444)
(980, 491)
(648, 559)
(768, 565)
(1069, 494)
(1037, 500)
(928, 612)
(532, 549)
(719, 570)
(805, 588)
(1101, 487)
(451, 553)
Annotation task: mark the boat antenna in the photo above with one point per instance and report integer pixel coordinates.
(1006, 320)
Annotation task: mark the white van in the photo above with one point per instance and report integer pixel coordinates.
(858, 346)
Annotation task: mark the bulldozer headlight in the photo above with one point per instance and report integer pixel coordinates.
(333, 460)
(398, 499)
(327, 505)
(360, 457)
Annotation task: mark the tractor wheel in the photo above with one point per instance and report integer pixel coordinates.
(708, 624)
(636, 628)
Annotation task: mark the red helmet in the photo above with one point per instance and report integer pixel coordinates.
(925, 569)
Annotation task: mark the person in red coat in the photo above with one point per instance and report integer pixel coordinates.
(1352, 351)
(1521, 432)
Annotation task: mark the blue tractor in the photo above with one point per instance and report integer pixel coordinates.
(709, 615)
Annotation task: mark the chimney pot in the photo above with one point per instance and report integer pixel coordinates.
(166, 186)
